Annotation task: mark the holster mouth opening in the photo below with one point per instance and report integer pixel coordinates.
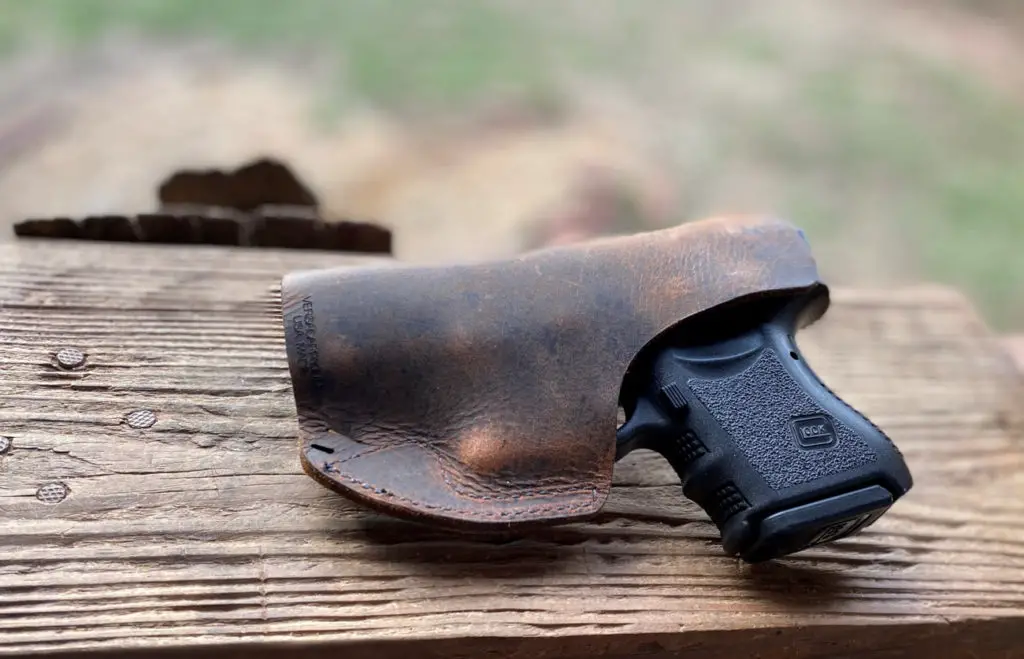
(731, 318)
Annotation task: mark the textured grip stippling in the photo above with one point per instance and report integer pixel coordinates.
(725, 502)
(768, 415)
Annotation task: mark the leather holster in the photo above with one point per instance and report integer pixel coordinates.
(486, 396)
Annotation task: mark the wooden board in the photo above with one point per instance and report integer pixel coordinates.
(200, 531)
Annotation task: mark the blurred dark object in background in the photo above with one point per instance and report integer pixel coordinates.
(261, 204)
(259, 183)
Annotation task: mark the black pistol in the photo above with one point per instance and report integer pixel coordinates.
(778, 461)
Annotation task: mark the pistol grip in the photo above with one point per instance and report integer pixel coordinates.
(776, 459)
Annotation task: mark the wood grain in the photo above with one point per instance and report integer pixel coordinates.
(200, 532)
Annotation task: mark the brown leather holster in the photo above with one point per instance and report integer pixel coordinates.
(485, 396)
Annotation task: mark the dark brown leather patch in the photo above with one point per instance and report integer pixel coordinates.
(485, 396)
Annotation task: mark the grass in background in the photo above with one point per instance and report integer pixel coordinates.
(943, 154)
(865, 134)
(434, 54)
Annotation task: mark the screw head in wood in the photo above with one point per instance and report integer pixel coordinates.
(52, 492)
(70, 358)
(140, 418)
(5, 444)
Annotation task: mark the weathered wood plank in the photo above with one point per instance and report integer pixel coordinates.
(200, 531)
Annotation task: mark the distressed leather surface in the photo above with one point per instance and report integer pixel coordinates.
(485, 396)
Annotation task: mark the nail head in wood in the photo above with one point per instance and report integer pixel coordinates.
(140, 418)
(70, 358)
(5, 444)
(52, 493)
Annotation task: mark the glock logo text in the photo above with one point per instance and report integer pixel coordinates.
(814, 431)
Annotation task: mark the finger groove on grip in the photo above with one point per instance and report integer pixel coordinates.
(725, 502)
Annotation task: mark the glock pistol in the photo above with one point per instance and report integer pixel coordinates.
(486, 396)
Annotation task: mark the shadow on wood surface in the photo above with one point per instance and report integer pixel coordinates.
(449, 554)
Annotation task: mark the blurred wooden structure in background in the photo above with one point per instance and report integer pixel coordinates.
(151, 498)
(260, 204)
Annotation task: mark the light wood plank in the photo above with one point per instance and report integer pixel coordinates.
(201, 532)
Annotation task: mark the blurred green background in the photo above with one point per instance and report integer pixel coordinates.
(892, 131)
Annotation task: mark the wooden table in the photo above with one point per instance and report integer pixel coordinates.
(151, 498)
